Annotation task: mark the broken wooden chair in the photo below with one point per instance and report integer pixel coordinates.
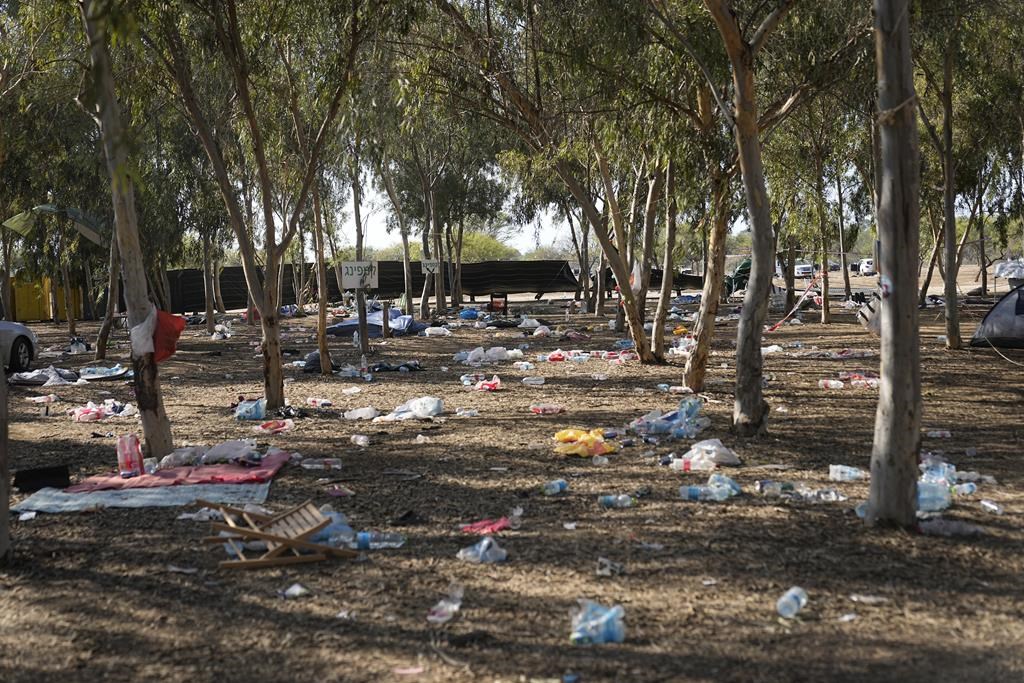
(286, 536)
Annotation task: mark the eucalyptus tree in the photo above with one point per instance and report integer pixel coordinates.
(898, 416)
(233, 40)
(102, 19)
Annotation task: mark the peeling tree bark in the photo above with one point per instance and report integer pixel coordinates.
(898, 417)
(714, 276)
(667, 264)
(155, 426)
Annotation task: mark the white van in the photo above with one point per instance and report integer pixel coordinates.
(867, 267)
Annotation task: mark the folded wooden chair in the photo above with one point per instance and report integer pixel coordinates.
(286, 534)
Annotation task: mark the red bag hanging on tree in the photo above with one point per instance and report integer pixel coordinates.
(165, 336)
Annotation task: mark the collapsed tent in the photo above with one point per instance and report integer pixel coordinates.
(399, 324)
(1003, 325)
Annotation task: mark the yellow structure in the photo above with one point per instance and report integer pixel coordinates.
(31, 300)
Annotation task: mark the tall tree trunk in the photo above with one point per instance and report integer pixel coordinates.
(576, 250)
(439, 305)
(218, 297)
(69, 304)
(750, 411)
(89, 293)
(847, 292)
(585, 263)
(790, 274)
(113, 296)
(897, 420)
(602, 286)
(826, 313)
(982, 260)
(155, 425)
(428, 281)
(704, 332)
(323, 294)
(667, 264)
(270, 325)
(211, 320)
(953, 340)
(6, 246)
(923, 295)
(403, 230)
(457, 284)
(357, 217)
(654, 191)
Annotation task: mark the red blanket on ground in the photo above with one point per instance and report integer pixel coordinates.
(203, 474)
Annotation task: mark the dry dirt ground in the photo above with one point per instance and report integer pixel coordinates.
(89, 596)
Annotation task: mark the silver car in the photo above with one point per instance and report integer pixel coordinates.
(17, 346)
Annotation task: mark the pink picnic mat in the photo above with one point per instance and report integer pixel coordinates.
(203, 474)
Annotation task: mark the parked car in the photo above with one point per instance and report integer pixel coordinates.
(17, 346)
(804, 270)
(867, 267)
(833, 266)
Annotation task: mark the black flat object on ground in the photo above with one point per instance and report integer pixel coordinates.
(56, 476)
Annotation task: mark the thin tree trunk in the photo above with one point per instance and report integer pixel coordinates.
(357, 217)
(602, 274)
(439, 301)
(667, 265)
(155, 425)
(826, 313)
(953, 340)
(790, 274)
(6, 245)
(428, 281)
(113, 296)
(211, 321)
(750, 411)
(69, 307)
(654, 191)
(403, 230)
(982, 261)
(898, 418)
(457, 284)
(218, 297)
(323, 293)
(704, 332)
(923, 295)
(88, 299)
(826, 309)
(847, 292)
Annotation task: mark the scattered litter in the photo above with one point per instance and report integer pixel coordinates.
(467, 412)
(939, 434)
(251, 410)
(846, 473)
(420, 438)
(339, 491)
(437, 332)
(705, 456)
(847, 618)
(50, 398)
(570, 526)
(91, 412)
(422, 408)
(992, 506)
(868, 599)
(296, 590)
(791, 602)
(274, 427)
(27, 516)
(594, 624)
(175, 569)
(360, 440)
(683, 423)
(547, 409)
(202, 515)
(709, 582)
(319, 402)
(494, 384)
(446, 608)
(321, 464)
(486, 551)
(622, 500)
(534, 381)
(582, 443)
(365, 413)
(606, 567)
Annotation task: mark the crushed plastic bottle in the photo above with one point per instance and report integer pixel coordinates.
(716, 493)
(932, 496)
(965, 489)
(722, 480)
(621, 500)
(319, 403)
(846, 473)
(447, 608)
(485, 552)
(553, 488)
(939, 434)
(366, 413)
(773, 489)
(534, 381)
(546, 409)
(524, 366)
(791, 602)
(360, 440)
(992, 506)
(467, 412)
(830, 384)
(469, 379)
(49, 398)
(377, 540)
(594, 624)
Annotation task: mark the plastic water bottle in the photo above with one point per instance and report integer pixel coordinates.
(534, 381)
(965, 489)
(718, 493)
(939, 434)
(620, 501)
(791, 602)
(364, 367)
(992, 506)
(484, 552)
(721, 480)
(355, 339)
(360, 440)
(829, 384)
(701, 462)
(377, 540)
(846, 473)
(593, 624)
(932, 496)
(553, 488)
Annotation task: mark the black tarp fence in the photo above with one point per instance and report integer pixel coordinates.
(478, 279)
